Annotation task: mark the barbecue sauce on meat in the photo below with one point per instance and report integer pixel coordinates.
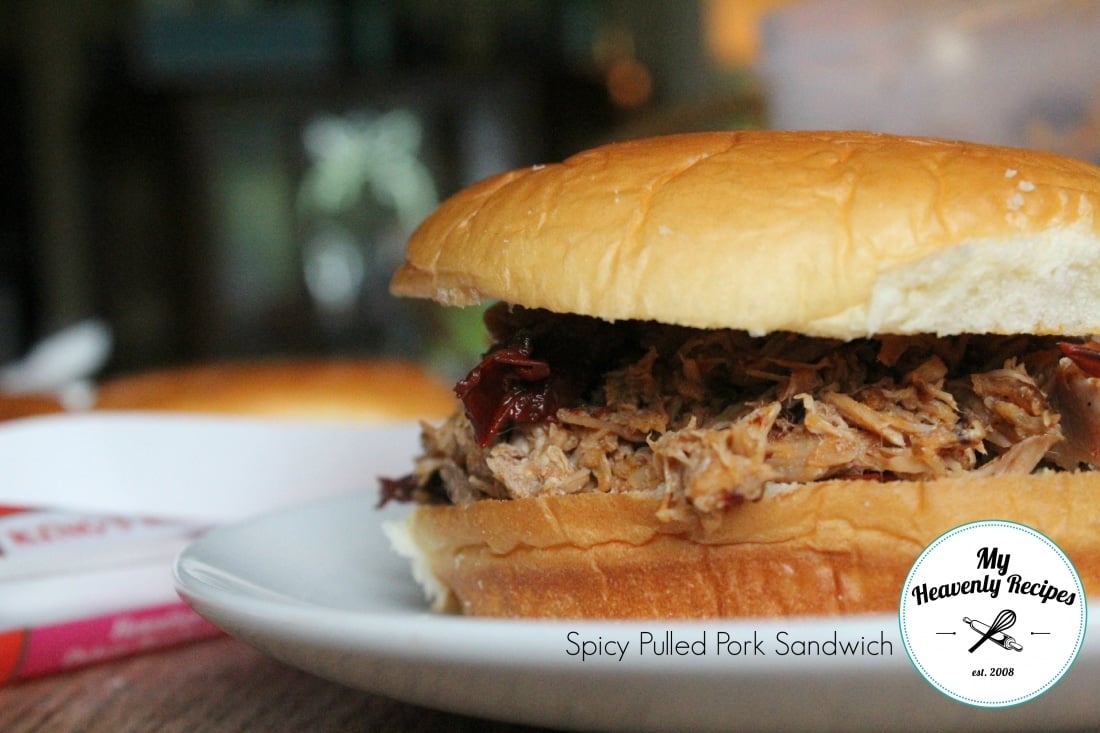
(536, 366)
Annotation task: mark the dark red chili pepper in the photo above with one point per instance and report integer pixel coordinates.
(1086, 356)
(507, 387)
(540, 363)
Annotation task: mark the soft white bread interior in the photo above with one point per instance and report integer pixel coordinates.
(352, 389)
(839, 234)
(825, 548)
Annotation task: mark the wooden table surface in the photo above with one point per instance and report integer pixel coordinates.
(212, 686)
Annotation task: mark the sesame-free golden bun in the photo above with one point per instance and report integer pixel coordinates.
(832, 547)
(352, 389)
(840, 234)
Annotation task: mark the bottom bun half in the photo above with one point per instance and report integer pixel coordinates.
(827, 548)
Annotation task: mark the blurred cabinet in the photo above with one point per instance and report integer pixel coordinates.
(16, 282)
(229, 223)
(231, 179)
(305, 201)
(254, 174)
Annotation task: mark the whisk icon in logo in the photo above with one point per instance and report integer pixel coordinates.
(994, 632)
(995, 576)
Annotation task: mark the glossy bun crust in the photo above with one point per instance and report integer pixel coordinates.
(826, 548)
(838, 234)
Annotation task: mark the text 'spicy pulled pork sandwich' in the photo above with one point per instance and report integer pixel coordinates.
(755, 373)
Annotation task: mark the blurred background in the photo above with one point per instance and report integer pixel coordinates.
(229, 179)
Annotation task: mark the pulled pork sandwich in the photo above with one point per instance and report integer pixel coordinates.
(755, 373)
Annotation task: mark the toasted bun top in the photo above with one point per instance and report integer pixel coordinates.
(301, 388)
(840, 234)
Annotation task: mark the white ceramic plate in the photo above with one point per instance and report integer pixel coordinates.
(318, 587)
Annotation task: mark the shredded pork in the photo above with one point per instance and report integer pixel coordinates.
(708, 419)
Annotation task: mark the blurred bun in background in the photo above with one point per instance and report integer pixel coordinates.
(350, 389)
(26, 405)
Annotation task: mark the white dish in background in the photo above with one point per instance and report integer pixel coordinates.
(214, 468)
(318, 587)
(190, 469)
